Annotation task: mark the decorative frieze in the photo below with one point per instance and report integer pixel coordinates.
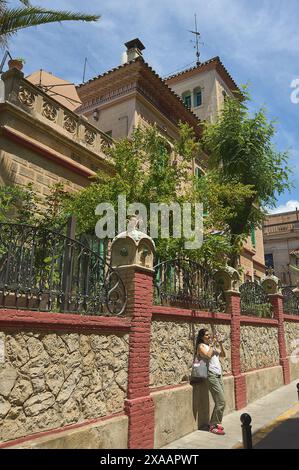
(69, 124)
(49, 111)
(26, 97)
(89, 136)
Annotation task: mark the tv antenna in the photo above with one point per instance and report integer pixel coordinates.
(196, 42)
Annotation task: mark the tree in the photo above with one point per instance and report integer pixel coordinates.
(149, 170)
(241, 152)
(27, 15)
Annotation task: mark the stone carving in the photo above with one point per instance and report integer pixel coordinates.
(51, 380)
(26, 97)
(90, 136)
(271, 283)
(69, 124)
(133, 247)
(49, 111)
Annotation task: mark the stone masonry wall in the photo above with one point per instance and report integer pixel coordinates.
(292, 336)
(31, 168)
(49, 380)
(259, 347)
(172, 351)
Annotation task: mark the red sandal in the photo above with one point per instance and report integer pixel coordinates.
(217, 430)
(219, 426)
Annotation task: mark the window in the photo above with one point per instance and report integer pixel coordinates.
(186, 97)
(197, 97)
(198, 172)
(252, 235)
(269, 262)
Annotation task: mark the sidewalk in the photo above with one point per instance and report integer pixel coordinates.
(276, 413)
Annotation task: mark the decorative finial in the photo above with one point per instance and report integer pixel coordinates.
(197, 42)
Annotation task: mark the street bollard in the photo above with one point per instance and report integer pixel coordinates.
(246, 431)
(298, 389)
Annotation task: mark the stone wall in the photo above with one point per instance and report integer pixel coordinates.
(292, 336)
(259, 347)
(172, 351)
(49, 380)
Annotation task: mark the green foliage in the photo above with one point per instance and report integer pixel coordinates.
(22, 205)
(25, 16)
(241, 151)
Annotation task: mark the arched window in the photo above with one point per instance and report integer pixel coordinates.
(186, 97)
(197, 97)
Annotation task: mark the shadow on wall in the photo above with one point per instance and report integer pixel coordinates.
(201, 403)
(6, 174)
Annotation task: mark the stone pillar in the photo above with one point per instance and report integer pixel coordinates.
(234, 308)
(228, 281)
(11, 80)
(132, 256)
(277, 303)
(272, 286)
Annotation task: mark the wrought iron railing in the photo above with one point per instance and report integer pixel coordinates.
(46, 271)
(290, 301)
(255, 301)
(186, 284)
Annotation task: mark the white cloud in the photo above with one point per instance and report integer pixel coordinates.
(287, 207)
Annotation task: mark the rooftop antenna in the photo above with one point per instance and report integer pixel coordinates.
(85, 62)
(197, 42)
(7, 54)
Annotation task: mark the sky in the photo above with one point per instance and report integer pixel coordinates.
(257, 40)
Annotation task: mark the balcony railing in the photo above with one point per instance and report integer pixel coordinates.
(34, 101)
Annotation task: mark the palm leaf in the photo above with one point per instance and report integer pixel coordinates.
(14, 19)
(294, 268)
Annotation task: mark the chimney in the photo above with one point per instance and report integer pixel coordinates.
(133, 51)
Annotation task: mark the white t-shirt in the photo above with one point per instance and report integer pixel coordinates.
(214, 364)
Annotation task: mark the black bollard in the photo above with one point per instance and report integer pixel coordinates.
(246, 431)
(298, 389)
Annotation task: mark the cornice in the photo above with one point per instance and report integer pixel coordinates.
(43, 127)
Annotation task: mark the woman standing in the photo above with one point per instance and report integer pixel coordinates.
(210, 350)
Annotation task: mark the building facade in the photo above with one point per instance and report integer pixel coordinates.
(281, 240)
(44, 142)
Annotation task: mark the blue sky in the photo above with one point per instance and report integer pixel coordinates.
(258, 42)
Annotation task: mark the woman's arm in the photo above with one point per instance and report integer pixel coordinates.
(206, 354)
(219, 347)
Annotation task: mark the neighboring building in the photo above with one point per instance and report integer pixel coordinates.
(44, 142)
(281, 240)
(61, 90)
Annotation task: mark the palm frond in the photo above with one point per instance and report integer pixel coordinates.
(294, 268)
(14, 19)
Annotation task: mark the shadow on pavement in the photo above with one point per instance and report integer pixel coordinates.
(284, 436)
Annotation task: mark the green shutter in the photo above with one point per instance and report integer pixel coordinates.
(253, 239)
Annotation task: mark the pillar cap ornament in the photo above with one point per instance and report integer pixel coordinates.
(227, 279)
(133, 247)
(271, 283)
(296, 290)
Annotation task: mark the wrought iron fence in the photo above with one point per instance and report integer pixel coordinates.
(46, 271)
(290, 301)
(255, 301)
(187, 284)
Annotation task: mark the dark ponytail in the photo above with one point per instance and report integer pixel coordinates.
(200, 337)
